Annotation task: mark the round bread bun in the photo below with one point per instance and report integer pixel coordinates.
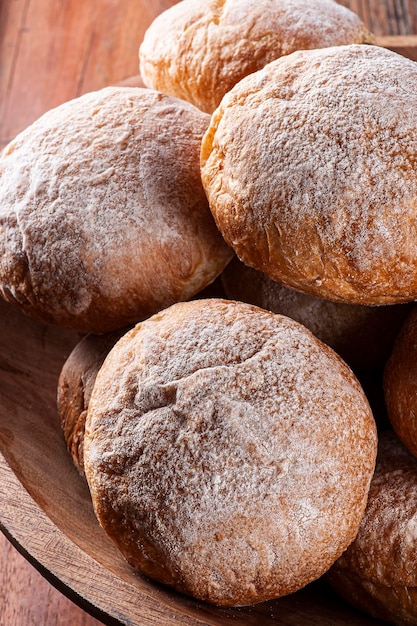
(400, 384)
(228, 451)
(310, 167)
(75, 386)
(103, 217)
(198, 50)
(362, 335)
(378, 572)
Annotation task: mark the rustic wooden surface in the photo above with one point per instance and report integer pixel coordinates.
(27, 598)
(51, 51)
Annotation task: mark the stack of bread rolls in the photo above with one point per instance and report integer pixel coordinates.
(227, 440)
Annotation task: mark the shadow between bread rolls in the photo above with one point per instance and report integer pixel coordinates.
(362, 335)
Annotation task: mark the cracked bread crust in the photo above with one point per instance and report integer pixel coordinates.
(103, 217)
(198, 50)
(228, 451)
(310, 170)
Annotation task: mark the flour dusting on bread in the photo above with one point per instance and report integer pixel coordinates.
(218, 450)
(309, 167)
(103, 216)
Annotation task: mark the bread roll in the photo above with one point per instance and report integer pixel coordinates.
(75, 386)
(198, 50)
(362, 335)
(378, 573)
(103, 217)
(400, 384)
(228, 451)
(310, 170)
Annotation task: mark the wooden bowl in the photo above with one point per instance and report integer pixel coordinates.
(46, 509)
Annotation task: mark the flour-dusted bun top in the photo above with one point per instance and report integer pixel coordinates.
(199, 49)
(103, 218)
(310, 170)
(228, 451)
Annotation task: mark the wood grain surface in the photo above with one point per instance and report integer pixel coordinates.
(54, 50)
(386, 17)
(27, 598)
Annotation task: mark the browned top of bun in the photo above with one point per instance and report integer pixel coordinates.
(199, 49)
(103, 216)
(228, 451)
(310, 170)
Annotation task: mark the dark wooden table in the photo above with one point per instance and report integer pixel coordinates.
(54, 50)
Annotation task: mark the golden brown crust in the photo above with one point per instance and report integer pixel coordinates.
(378, 571)
(75, 385)
(103, 217)
(310, 170)
(199, 49)
(400, 384)
(228, 451)
(362, 335)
